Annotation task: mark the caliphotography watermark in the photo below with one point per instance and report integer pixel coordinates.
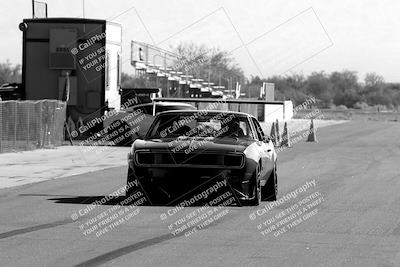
(111, 129)
(91, 55)
(189, 63)
(177, 124)
(304, 205)
(122, 210)
(209, 206)
(202, 134)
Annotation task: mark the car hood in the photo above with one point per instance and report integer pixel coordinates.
(195, 144)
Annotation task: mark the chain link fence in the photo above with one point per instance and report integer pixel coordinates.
(28, 125)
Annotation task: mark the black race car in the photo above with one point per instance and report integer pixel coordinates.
(183, 149)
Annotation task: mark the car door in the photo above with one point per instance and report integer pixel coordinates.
(266, 147)
(259, 145)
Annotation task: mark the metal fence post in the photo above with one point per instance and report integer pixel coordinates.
(1, 126)
(15, 124)
(40, 125)
(28, 126)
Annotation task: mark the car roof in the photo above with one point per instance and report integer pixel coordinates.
(166, 104)
(208, 111)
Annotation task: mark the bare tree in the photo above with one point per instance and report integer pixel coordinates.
(10, 73)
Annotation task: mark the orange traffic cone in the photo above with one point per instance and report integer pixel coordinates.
(278, 137)
(273, 134)
(71, 124)
(80, 123)
(312, 134)
(285, 136)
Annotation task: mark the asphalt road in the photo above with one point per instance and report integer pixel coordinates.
(351, 217)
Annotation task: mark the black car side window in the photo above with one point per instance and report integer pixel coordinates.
(148, 109)
(259, 131)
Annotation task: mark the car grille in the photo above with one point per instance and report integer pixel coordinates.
(202, 160)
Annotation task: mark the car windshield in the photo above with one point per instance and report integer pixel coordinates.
(198, 124)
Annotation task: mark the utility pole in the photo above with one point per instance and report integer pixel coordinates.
(83, 8)
(230, 85)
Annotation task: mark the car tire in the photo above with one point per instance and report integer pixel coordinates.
(130, 178)
(269, 191)
(141, 186)
(256, 186)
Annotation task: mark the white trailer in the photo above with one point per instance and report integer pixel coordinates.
(73, 59)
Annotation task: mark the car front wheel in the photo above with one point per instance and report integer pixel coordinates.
(256, 186)
(269, 191)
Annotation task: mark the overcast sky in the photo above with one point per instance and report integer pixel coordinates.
(265, 37)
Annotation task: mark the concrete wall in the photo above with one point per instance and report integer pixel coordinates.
(281, 112)
(272, 112)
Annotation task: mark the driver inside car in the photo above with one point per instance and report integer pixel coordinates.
(235, 130)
